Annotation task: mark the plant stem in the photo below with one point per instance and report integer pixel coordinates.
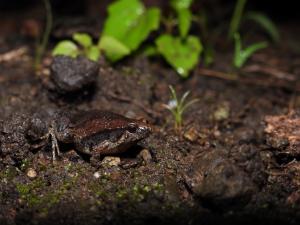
(40, 48)
(236, 18)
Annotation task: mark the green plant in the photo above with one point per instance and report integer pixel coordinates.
(178, 106)
(181, 52)
(241, 55)
(69, 48)
(128, 24)
(236, 18)
(258, 17)
(265, 23)
(42, 44)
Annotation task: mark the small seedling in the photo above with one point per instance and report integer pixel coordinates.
(69, 48)
(178, 106)
(181, 52)
(241, 55)
(261, 19)
(41, 45)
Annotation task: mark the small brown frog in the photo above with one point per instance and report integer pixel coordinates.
(96, 132)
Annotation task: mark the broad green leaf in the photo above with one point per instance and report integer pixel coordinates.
(83, 39)
(130, 23)
(183, 55)
(145, 24)
(93, 53)
(113, 49)
(67, 48)
(240, 55)
(184, 21)
(181, 4)
(266, 23)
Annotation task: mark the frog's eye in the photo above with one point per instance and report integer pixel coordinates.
(132, 127)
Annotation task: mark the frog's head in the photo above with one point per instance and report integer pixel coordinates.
(138, 130)
(121, 139)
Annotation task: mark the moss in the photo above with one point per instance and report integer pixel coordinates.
(33, 196)
(9, 173)
(25, 164)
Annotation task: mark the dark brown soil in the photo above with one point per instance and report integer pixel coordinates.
(219, 169)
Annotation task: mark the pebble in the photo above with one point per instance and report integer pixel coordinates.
(31, 173)
(191, 134)
(146, 155)
(111, 161)
(96, 175)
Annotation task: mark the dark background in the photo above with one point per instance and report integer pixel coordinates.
(278, 10)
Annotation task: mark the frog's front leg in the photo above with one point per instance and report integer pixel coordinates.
(54, 143)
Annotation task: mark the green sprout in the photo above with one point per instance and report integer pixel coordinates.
(236, 18)
(178, 106)
(69, 48)
(260, 18)
(41, 45)
(241, 55)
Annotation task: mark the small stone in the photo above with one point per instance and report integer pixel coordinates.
(191, 134)
(96, 175)
(146, 155)
(31, 173)
(111, 161)
(222, 112)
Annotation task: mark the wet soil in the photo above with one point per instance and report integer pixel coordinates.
(220, 168)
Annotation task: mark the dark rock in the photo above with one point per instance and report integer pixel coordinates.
(248, 157)
(72, 74)
(217, 181)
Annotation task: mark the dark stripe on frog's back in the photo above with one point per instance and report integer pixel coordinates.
(90, 123)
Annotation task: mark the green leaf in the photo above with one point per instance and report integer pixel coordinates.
(114, 49)
(83, 39)
(184, 21)
(150, 51)
(181, 4)
(236, 18)
(93, 53)
(266, 23)
(240, 55)
(130, 23)
(183, 55)
(67, 48)
(145, 24)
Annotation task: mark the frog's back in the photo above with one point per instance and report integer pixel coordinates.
(92, 122)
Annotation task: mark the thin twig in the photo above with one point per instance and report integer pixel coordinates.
(217, 74)
(13, 54)
(256, 68)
